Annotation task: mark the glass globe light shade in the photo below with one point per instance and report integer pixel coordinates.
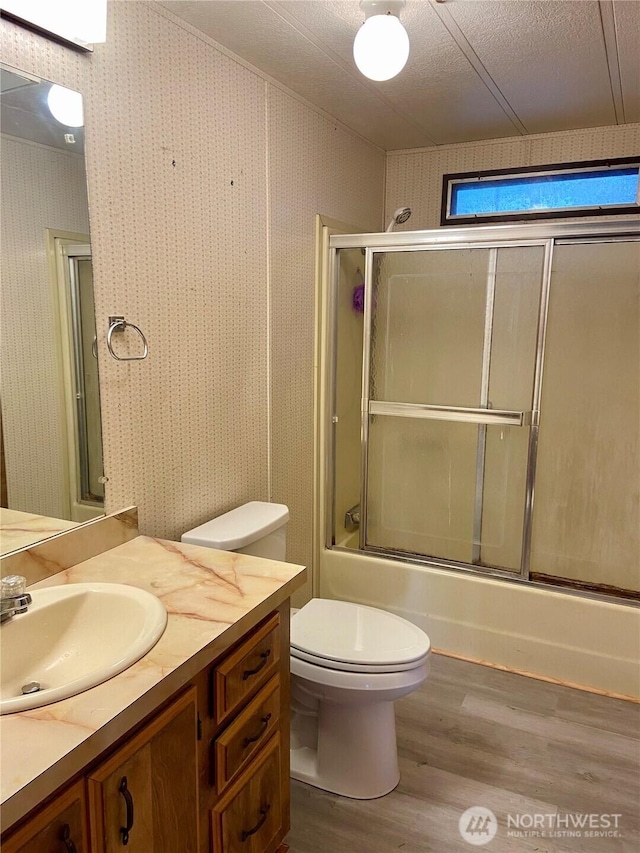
(381, 47)
(65, 106)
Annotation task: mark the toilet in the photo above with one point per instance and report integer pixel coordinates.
(349, 663)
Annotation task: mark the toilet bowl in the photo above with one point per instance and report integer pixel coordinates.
(349, 663)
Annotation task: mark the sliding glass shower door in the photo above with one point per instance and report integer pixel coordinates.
(449, 401)
(465, 368)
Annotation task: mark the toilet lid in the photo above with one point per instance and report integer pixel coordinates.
(340, 633)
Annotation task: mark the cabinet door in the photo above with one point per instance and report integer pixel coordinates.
(145, 797)
(59, 828)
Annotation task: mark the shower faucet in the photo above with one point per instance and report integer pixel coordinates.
(352, 517)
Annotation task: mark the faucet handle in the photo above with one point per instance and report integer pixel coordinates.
(12, 585)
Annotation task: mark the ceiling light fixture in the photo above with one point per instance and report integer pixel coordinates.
(381, 45)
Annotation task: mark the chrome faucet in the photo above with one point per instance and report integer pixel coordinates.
(14, 599)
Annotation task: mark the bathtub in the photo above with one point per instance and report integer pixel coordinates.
(566, 637)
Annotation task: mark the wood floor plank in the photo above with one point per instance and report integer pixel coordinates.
(473, 735)
(550, 727)
(616, 715)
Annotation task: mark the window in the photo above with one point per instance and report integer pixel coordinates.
(572, 189)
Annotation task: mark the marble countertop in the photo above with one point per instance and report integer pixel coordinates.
(212, 598)
(21, 529)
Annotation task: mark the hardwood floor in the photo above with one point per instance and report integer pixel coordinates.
(475, 736)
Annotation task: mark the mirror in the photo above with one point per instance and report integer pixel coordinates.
(50, 430)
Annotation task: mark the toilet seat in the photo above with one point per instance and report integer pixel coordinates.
(361, 682)
(345, 666)
(341, 635)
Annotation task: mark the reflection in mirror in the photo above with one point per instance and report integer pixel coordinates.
(50, 433)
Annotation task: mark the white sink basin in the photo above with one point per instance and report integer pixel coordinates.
(74, 637)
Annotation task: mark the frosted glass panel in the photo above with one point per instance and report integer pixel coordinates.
(422, 490)
(503, 497)
(515, 326)
(421, 486)
(586, 521)
(428, 326)
(421, 497)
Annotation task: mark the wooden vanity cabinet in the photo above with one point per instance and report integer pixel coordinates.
(61, 826)
(209, 773)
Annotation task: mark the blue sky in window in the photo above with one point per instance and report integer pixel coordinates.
(546, 192)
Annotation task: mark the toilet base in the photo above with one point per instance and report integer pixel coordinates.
(355, 753)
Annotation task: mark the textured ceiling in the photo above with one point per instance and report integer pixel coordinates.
(478, 69)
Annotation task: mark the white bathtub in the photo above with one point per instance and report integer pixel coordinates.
(553, 634)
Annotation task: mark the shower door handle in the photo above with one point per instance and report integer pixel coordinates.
(463, 414)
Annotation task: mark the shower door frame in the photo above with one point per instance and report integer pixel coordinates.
(475, 237)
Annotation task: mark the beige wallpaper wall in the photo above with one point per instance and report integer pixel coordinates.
(414, 177)
(204, 179)
(42, 188)
(313, 168)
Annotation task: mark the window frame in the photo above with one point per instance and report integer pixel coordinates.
(449, 180)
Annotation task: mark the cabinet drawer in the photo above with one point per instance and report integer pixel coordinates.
(240, 675)
(249, 818)
(247, 734)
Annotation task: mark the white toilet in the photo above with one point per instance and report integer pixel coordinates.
(348, 665)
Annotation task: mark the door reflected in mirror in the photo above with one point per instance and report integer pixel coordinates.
(51, 438)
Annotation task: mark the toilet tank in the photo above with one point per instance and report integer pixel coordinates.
(257, 528)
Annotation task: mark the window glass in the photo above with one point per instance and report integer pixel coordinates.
(541, 193)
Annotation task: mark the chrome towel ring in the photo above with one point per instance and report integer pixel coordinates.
(119, 324)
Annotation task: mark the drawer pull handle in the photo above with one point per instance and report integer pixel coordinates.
(128, 799)
(65, 837)
(247, 833)
(264, 722)
(263, 662)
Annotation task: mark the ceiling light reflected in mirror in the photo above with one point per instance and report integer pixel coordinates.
(65, 106)
(27, 114)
